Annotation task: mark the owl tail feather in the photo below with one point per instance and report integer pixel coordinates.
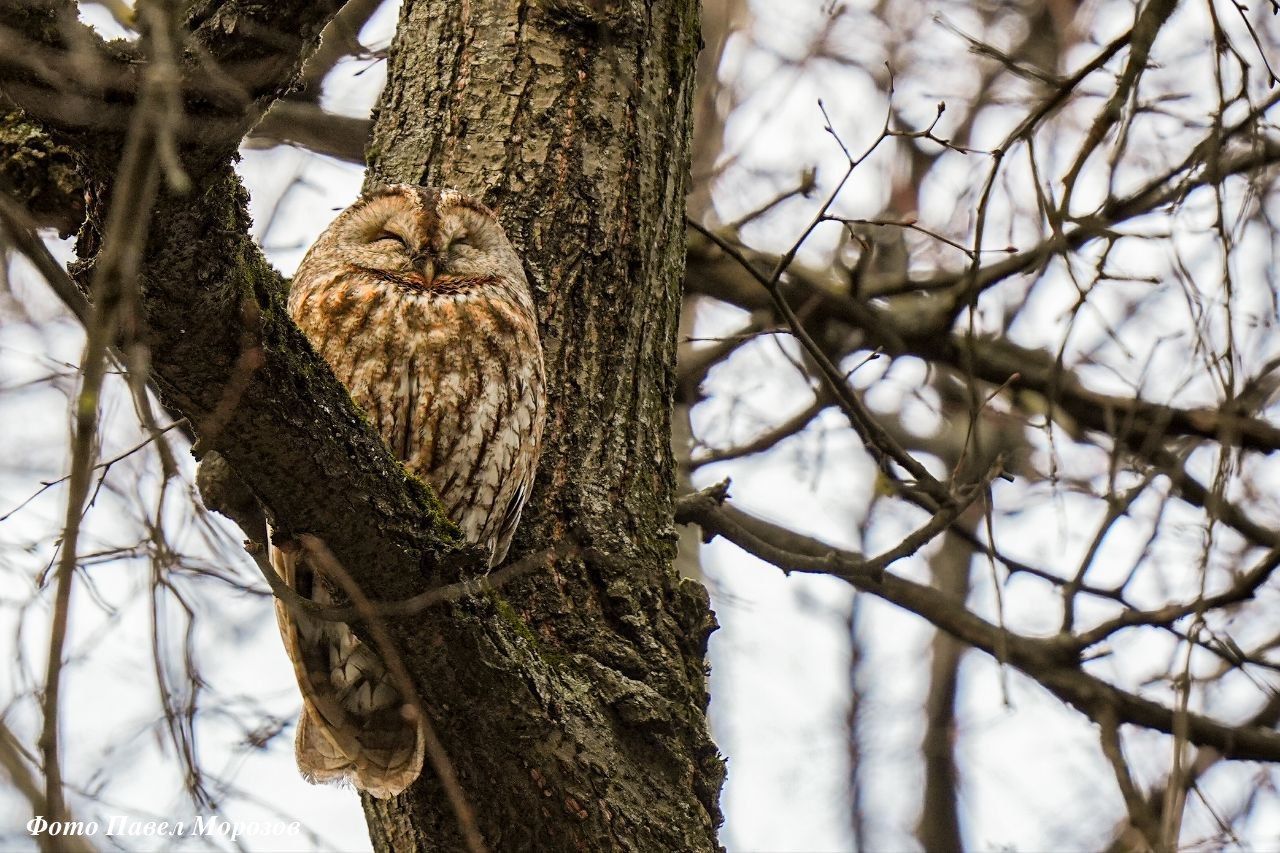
(355, 725)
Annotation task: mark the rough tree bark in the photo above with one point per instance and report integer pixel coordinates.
(572, 703)
(573, 122)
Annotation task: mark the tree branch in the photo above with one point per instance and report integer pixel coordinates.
(992, 360)
(1052, 663)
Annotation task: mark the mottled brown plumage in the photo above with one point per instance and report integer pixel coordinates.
(418, 302)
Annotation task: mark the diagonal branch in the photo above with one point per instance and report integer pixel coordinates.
(1052, 663)
(995, 361)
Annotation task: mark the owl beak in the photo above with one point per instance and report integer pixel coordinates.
(426, 265)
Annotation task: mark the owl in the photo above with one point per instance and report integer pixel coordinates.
(420, 305)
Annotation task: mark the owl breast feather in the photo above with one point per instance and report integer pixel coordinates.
(451, 377)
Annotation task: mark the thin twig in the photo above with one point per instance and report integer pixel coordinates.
(478, 585)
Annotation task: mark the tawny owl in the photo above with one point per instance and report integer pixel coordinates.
(419, 303)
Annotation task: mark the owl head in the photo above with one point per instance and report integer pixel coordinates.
(423, 239)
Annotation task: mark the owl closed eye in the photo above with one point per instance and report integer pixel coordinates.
(418, 244)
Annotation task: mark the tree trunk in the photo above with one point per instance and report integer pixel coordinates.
(573, 705)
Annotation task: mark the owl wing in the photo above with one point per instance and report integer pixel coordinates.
(355, 724)
(519, 434)
(510, 520)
